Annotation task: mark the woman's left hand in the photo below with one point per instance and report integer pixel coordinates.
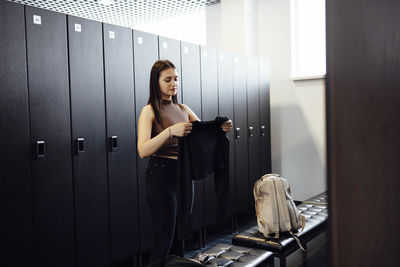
(226, 126)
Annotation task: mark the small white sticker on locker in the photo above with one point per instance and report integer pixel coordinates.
(111, 35)
(221, 57)
(37, 19)
(261, 65)
(186, 49)
(165, 45)
(249, 62)
(78, 27)
(204, 53)
(140, 40)
(236, 60)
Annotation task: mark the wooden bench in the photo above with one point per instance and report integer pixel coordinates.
(225, 255)
(314, 209)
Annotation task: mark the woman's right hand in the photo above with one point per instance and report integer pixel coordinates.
(181, 129)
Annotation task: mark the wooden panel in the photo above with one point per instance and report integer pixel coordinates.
(50, 122)
(88, 121)
(363, 96)
(226, 109)
(191, 88)
(15, 182)
(145, 54)
(265, 133)
(240, 122)
(122, 170)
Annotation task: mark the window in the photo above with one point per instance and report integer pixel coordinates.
(308, 38)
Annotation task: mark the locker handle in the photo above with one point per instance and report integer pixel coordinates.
(114, 143)
(237, 133)
(80, 146)
(262, 130)
(251, 131)
(40, 149)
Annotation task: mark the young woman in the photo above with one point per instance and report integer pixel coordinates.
(161, 121)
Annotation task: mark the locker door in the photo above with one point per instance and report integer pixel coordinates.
(145, 54)
(191, 89)
(226, 108)
(265, 126)
(88, 138)
(253, 122)
(121, 142)
(171, 49)
(15, 181)
(240, 132)
(46, 34)
(209, 107)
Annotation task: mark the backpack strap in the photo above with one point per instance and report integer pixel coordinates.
(297, 241)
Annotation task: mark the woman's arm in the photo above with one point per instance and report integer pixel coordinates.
(146, 145)
(191, 114)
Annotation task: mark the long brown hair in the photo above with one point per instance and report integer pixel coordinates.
(155, 92)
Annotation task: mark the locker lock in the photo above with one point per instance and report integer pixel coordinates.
(114, 143)
(237, 133)
(40, 149)
(262, 130)
(251, 131)
(80, 146)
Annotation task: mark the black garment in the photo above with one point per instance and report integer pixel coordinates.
(161, 198)
(204, 151)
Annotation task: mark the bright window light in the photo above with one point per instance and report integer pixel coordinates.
(308, 38)
(189, 28)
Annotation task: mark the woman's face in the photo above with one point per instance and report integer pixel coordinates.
(168, 83)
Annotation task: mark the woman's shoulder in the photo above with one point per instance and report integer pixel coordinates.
(148, 111)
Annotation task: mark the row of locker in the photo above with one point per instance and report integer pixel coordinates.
(75, 86)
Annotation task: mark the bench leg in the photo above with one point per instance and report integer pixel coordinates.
(304, 253)
(234, 224)
(204, 237)
(282, 261)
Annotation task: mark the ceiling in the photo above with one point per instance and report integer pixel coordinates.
(127, 13)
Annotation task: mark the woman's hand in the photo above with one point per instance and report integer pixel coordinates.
(180, 129)
(226, 126)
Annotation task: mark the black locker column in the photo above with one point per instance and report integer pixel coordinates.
(88, 140)
(46, 34)
(15, 182)
(121, 142)
(226, 108)
(253, 122)
(240, 133)
(171, 49)
(191, 89)
(209, 108)
(145, 54)
(265, 126)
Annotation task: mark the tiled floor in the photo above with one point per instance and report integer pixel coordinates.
(317, 249)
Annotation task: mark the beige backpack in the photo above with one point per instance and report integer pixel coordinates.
(275, 208)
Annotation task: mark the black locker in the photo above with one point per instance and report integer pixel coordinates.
(145, 54)
(171, 49)
(191, 88)
(265, 126)
(209, 108)
(240, 133)
(88, 139)
(121, 142)
(226, 108)
(253, 122)
(46, 34)
(15, 181)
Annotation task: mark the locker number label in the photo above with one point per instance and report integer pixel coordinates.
(111, 35)
(221, 57)
(78, 27)
(204, 53)
(165, 45)
(236, 60)
(37, 19)
(186, 50)
(140, 40)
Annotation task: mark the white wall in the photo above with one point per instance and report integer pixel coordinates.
(297, 108)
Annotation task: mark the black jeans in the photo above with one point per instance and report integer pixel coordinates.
(161, 198)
